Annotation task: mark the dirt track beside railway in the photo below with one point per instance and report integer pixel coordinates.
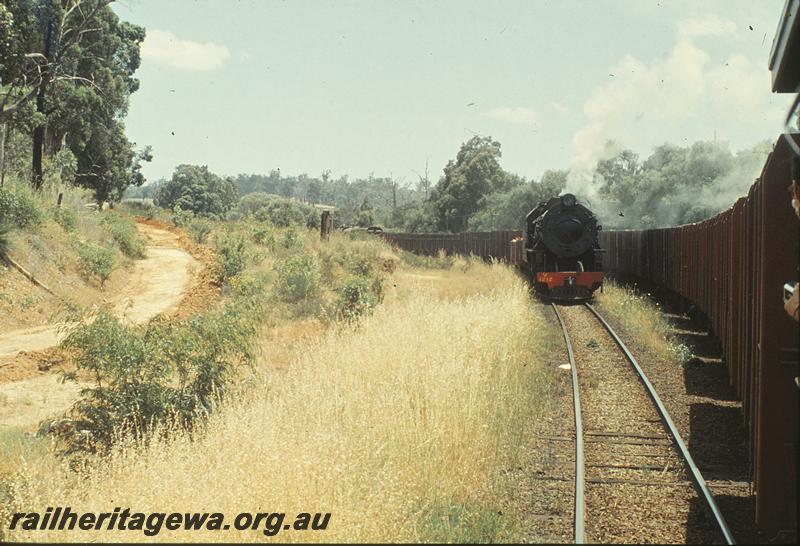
(157, 284)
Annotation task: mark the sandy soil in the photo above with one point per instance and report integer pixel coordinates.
(156, 285)
(26, 403)
(159, 281)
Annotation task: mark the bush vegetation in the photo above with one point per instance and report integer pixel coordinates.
(18, 206)
(181, 217)
(122, 230)
(5, 239)
(263, 234)
(156, 373)
(199, 229)
(298, 278)
(357, 297)
(278, 211)
(96, 260)
(66, 218)
(232, 256)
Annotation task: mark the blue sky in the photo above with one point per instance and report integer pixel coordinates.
(380, 87)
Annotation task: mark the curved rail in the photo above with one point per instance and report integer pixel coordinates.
(580, 502)
(694, 472)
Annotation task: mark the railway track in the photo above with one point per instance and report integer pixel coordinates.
(634, 479)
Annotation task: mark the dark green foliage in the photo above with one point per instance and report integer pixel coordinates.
(507, 210)
(161, 372)
(96, 260)
(18, 207)
(194, 188)
(123, 231)
(250, 203)
(365, 216)
(69, 74)
(415, 217)
(674, 185)
(359, 296)
(384, 195)
(475, 173)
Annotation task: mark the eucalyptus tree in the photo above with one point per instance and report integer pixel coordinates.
(74, 61)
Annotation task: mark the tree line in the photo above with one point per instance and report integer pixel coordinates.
(674, 185)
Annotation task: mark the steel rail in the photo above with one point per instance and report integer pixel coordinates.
(580, 499)
(697, 477)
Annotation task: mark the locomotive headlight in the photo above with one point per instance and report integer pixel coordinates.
(568, 200)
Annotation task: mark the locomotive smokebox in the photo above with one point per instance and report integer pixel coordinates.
(566, 228)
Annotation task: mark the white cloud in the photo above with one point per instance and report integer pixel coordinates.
(519, 114)
(709, 25)
(166, 48)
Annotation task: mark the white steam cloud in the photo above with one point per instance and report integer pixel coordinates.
(642, 101)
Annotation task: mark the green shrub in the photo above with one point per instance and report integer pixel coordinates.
(263, 235)
(291, 239)
(232, 256)
(181, 217)
(356, 298)
(681, 353)
(96, 260)
(199, 229)
(151, 374)
(280, 211)
(298, 278)
(123, 231)
(139, 206)
(5, 239)
(19, 207)
(359, 264)
(67, 219)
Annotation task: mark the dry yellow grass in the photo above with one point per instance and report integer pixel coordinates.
(466, 277)
(401, 428)
(642, 319)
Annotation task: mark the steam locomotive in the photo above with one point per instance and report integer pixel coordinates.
(561, 254)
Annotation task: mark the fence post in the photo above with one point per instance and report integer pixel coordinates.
(325, 225)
